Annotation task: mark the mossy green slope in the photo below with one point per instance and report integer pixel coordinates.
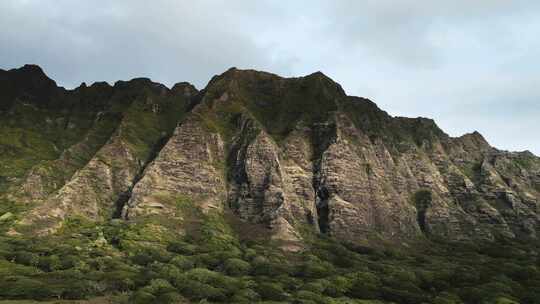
(47, 139)
(88, 148)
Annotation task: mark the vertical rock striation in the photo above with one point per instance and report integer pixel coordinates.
(295, 155)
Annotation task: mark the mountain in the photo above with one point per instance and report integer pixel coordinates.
(288, 153)
(254, 155)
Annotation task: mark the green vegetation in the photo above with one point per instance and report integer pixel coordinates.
(276, 104)
(148, 119)
(398, 133)
(472, 170)
(195, 256)
(9, 213)
(526, 161)
(422, 201)
(29, 135)
(310, 99)
(54, 140)
(158, 260)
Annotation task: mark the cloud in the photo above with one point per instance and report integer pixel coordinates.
(168, 41)
(471, 65)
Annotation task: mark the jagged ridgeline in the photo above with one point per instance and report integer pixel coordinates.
(290, 154)
(250, 164)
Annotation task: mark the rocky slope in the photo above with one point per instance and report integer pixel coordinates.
(294, 155)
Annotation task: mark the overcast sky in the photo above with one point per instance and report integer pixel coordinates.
(470, 65)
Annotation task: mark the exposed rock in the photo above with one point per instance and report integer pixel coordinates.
(91, 178)
(188, 166)
(293, 154)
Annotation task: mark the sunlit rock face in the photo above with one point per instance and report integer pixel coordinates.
(294, 155)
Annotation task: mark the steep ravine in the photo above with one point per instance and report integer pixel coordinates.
(295, 155)
(145, 114)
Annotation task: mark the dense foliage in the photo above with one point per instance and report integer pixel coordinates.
(193, 257)
(147, 262)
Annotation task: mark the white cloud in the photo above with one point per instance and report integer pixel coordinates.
(471, 65)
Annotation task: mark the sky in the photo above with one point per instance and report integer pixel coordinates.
(470, 65)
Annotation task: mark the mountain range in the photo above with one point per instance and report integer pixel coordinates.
(278, 159)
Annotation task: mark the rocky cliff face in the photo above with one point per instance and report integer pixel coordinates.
(295, 155)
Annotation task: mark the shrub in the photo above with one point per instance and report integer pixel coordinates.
(159, 286)
(405, 280)
(403, 296)
(25, 288)
(145, 256)
(364, 285)
(236, 267)
(245, 296)
(200, 283)
(318, 286)
(170, 297)
(50, 263)
(447, 298)
(76, 289)
(69, 261)
(465, 276)
(26, 258)
(183, 263)
(250, 254)
(309, 297)
(271, 291)
(315, 268)
(143, 297)
(207, 260)
(182, 248)
(338, 286)
(197, 291)
(263, 266)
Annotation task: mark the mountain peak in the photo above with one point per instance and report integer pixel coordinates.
(319, 74)
(28, 83)
(193, 195)
(31, 68)
(476, 138)
(31, 73)
(237, 73)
